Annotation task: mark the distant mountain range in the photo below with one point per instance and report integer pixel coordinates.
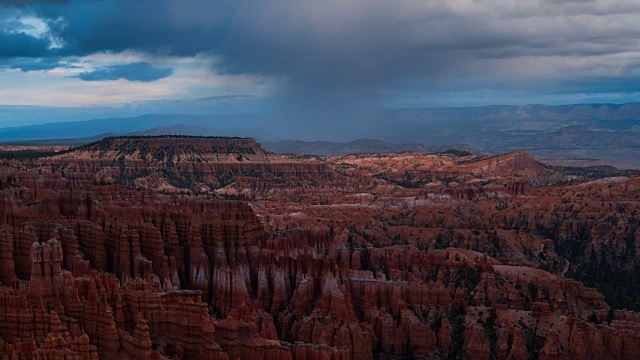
(180, 129)
(223, 125)
(586, 131)
(361, 146)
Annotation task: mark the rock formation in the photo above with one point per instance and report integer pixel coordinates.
(335, 258)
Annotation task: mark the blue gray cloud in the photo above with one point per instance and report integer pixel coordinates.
(140, 71)
(230, 97)
(26, 64)
(346, 41)
(18, 44)
(338, 54)
(32, 2)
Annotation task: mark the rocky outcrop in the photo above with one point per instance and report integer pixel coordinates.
(512, 344)
(7, 263)
(551, 349)
(477, 344)
(139, 344)
(46, 280)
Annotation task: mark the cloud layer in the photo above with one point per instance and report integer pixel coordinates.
(140, 71)
(336, 55)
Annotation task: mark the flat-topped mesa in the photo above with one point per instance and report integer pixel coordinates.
(176, 163)
(173, 148)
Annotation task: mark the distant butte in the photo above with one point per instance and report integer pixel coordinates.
(181, 163)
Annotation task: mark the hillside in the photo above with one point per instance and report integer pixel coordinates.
(416, 170)
(172, 149)
(176, 163)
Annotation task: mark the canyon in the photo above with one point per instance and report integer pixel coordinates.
(175, 247)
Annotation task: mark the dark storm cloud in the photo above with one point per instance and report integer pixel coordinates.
(335, 55)
(353, 46)
(141, 71)
(178, 28)
(22, 45)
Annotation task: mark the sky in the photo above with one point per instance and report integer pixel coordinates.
(312, 61)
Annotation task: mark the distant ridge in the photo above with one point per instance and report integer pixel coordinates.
(63, 141)
(596, 131)
(180, 129)
(215, 124)
(360, 146)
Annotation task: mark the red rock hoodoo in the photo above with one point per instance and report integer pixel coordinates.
(231, 252)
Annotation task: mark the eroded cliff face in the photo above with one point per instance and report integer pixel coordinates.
(152, 276)
(173, 164)
(148, 277)
(311, 272)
